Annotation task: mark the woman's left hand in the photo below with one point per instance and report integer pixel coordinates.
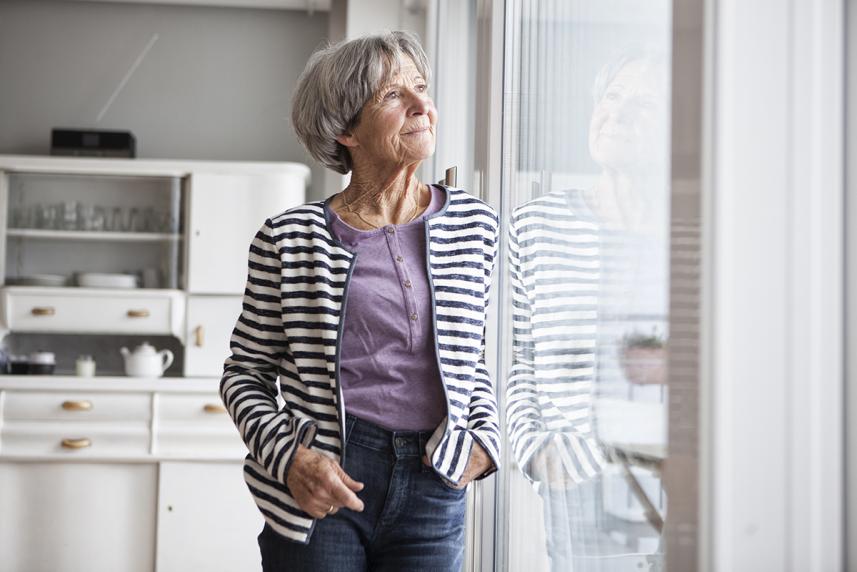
(478, 463)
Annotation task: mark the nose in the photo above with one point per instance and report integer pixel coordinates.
(419, 104)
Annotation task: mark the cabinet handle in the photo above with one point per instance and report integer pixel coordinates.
(199, 336)
(77, 405)
(76, 443)
(138, 313)
(43, 311)
(214, 408)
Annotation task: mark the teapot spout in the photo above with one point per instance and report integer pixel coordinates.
(124, 352)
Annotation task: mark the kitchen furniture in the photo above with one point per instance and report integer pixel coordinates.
(112, 472)
(122, 474)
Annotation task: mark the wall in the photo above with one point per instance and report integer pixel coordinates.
(215, 83)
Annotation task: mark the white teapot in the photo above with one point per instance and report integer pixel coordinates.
(144, 361)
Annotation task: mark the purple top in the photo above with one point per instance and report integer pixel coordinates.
(388, 364)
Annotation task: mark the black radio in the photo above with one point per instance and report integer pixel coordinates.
(93, 143)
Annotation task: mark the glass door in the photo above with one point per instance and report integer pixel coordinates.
(586, 211)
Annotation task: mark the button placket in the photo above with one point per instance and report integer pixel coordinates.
(409, 297)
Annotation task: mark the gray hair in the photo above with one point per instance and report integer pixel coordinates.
(654, 60)
(338, 81)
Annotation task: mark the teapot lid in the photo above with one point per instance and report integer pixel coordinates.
(145, 348)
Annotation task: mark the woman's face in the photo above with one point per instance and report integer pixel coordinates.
(629, 123)
(397, 126)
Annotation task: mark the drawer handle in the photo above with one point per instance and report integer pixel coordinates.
(76, 443)
(77, 405)
(43, 311)
(199, 335)
(138, 313)
(214, 408)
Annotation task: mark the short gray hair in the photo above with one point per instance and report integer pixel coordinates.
(654, 60)
(338, 81)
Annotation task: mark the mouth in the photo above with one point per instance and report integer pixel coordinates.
(417, 131)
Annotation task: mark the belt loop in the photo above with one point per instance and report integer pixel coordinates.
(350, 421)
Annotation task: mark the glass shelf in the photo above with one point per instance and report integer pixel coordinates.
(93, 235)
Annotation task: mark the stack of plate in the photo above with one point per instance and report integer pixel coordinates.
(52, 280)
(103, 280)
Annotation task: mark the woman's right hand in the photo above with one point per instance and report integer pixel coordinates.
(320, 486)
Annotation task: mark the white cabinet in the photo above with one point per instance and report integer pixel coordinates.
(116, 473)
(226, 211)
(158, 486)
(171, 226)
(201, 531)
(210, 320)
(69, 517)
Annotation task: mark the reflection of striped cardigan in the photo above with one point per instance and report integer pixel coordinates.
(555, 267)
(291, 328)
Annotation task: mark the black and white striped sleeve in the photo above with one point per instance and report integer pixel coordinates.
(248, 387)
(483, 422)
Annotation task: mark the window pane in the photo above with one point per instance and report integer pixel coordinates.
(586, 203)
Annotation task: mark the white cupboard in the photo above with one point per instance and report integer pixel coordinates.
(225, 213)
(116, 473)
(70, 517)
(219, 541)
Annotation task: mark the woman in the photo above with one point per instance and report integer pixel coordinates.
(389, 412)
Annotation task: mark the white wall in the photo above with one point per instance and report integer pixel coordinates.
(773, 288)
(216, 83)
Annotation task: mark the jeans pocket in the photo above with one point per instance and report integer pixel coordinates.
(447, 484)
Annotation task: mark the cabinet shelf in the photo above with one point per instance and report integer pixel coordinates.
(87, 235)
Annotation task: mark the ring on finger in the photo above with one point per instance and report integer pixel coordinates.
(330, 510)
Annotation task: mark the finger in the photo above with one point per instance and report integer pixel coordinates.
(323, 506)
(426, 461)
(349, 482)
(316, 510)
(343, 496)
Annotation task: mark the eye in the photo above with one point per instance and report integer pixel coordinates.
(421, 88)
(394, 94)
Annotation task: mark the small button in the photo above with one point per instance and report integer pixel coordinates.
(414, 317)
(400, 442)
(390, 230)
(407, 283)
(399, 259)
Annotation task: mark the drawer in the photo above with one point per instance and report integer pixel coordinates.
(36, 438)
(76, 406)
(205, 408)
(196, 425)
(191, 441)
(87, 312)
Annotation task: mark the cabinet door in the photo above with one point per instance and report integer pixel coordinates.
(210, 320)
(67, 517)
(207, 519)
(225, 213)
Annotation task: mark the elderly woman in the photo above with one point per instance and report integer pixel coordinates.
(369, 308)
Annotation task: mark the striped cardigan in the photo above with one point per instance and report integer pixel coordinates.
(291, 328)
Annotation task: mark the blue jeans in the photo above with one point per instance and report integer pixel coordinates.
(411, 521)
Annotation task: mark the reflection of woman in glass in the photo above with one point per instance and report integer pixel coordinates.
(589, 271)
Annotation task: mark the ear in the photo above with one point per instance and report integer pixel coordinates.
(347, 139)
